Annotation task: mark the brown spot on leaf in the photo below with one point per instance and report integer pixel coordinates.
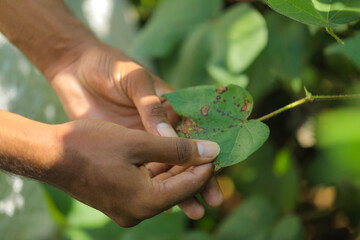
(218, 97)
(205, 110)
(246, 106)
(221, 90)
(188, 127)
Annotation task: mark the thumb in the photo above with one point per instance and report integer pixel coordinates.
(176, 151)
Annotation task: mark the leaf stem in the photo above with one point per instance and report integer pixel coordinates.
(308, 98)
(331, 32)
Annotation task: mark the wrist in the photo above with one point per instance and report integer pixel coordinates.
(28, 147)
(57, 166)
(68, 55)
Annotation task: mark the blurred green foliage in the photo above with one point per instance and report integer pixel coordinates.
(304, 183)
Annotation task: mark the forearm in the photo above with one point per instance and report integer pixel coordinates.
(27, 147)
(45, 31)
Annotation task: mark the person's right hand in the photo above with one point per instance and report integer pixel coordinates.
(103, 165)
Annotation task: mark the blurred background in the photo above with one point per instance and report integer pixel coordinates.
(304, 183)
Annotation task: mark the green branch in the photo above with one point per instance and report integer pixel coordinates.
(309, 98)
(331, 32)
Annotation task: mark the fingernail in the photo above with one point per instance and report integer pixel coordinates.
(165, 130)
(208, 149)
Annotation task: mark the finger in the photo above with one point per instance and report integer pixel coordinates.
(173, 118)
(175, 170)
(161, 88)
(174, 151)
(212, 193)
(148, 103)
(166, 130)
(192, 208)
(155, 168)
(183, 186)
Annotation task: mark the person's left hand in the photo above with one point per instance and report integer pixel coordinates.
(103, 83)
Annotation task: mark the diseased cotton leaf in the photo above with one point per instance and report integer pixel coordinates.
(219, 115)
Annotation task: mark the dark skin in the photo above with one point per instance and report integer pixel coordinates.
(96, 81)
(102, 164)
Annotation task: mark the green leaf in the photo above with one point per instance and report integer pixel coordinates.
(220, 115)
(171, 22)
(338, 139)
(282, 163)
(225, 77)
(198, 235)
(283, 58)
(254, 176)
(350, 49)
(238, 38)
(288, 228)
(338, 126)
(81, 216)
(251, 221)
(325, 13)
(161, 227)
(188, 68)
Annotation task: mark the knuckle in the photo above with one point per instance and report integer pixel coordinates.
(157, 110)
(184, 150)
(131, 77)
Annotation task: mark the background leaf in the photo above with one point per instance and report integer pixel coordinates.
(350, 49)
(251, 221)
(188, 68)
(238, 37)
(338, 136)
(172, 21)
(326, 13)
(283, 59)
(288, 228)
(220, 115)
(260, 170)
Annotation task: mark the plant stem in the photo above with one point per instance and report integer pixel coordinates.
(308, 98)
(331, 32)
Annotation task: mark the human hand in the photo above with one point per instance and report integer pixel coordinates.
(91, 79)
(103, 83)
(103, 165)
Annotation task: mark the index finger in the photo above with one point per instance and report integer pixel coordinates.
(180, 187)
